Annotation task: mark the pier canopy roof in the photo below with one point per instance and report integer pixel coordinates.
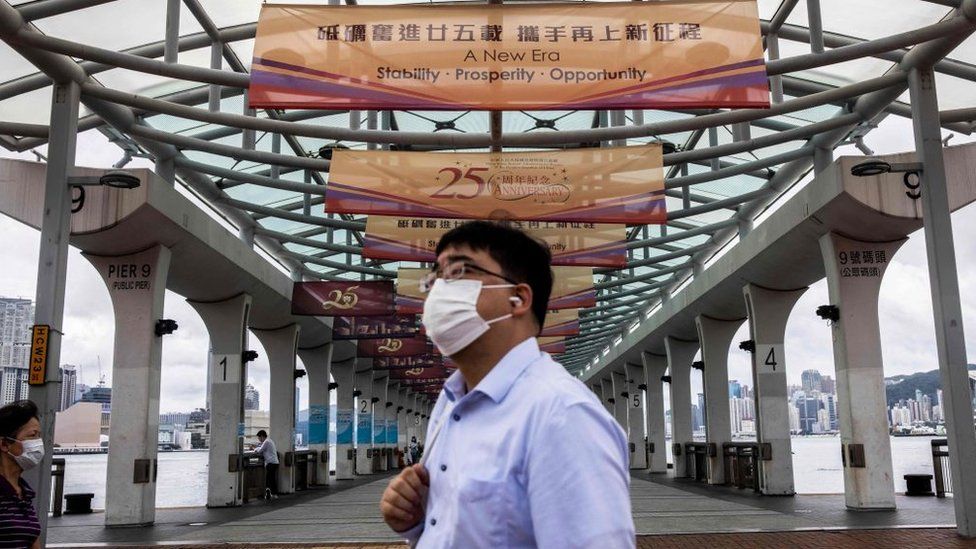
(837, 70)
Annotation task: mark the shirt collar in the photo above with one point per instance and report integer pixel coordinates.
(500, 379)
(7, 490)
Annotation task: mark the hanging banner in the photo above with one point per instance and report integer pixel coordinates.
(652, 55)
(344, 426)
(352, 298)
(414, 346)
(437, 372)
(318, 424)
(374, 327)
(552, 345)
(407, 362)
(379, 431)
(572, 288)
(364, 428)
(561, 323)
(597, 185)
(570, 243)
(414, 383)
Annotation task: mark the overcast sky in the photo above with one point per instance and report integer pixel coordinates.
(907, 328)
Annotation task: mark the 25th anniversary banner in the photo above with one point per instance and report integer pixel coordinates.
(667, 54)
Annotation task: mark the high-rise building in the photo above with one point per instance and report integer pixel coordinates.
(830, 406)
(808, 408)
(811, 381)
(100, 394)
(69, 386)
(16, 319)
(252, 398)
(176, 419)
(735, 389)
(703, 414)
(828, 385)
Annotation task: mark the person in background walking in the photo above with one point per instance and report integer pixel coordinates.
(267, 450)
(21, 448)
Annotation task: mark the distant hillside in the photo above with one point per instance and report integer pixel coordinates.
(904, 386)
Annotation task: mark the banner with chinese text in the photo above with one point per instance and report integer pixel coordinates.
(563, 322)
(408, 362)
(414, 346)
(374, 327)
(570, 243)
(346, 298)
(419, 373)
(649, 55)
(597, 185)
(572, 288)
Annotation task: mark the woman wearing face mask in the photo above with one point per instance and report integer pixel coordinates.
(21, 448)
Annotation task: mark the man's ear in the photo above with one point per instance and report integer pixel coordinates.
(522, 300)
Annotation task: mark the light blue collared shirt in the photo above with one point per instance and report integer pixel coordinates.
(529, 458)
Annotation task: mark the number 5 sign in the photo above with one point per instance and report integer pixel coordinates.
(769, 359)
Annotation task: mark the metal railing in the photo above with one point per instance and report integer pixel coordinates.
(742, 464)
(57, 477)
(306, 472)
(696, 464)
(940, 467)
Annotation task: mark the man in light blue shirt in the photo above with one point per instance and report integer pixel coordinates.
(518, 452)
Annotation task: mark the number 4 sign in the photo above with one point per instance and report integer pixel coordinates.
(769, 359)
(225, 369)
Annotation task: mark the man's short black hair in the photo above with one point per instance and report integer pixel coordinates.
(15, 415)
(521, 257)
(263, 433)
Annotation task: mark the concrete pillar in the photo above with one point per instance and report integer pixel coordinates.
(618, 382)
(380, 387)
(393, 414)
(343, 372)
(281, 344)
(318, 361)
(680, 355)
(606, 389)
(404, 419)
(853, 284)
(635, 416)
(226, 323)
(137, 285)
(768, 312)
(364, 420)
(715, 337)
(654, 368)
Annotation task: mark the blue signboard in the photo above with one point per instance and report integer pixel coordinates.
(391, 432)
(343, 426)
(379, 431)
(364, 429)
(318, 424)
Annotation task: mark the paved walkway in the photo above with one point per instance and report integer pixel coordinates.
(667, 513)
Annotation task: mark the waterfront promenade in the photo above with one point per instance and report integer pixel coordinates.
(667, 513)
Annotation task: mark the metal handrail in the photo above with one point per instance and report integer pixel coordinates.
(696, 454)
(741, 461)
(57, 475)
(940, 467)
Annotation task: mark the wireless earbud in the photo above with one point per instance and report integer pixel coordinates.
(516, 300)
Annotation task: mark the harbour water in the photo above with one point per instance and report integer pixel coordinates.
(182, 479)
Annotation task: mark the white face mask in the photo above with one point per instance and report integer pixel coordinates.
(32, 454)
(451, 314)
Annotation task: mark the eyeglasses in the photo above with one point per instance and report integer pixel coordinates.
(455, 271)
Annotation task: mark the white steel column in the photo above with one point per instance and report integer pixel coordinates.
(853, 286)
(949, 334)
(52, 269)
(281, 344)
(716, 336)
(680, 355)
(635, 416)
(768, 311)
(364, 419)
(606, 390)
(226, 323)
(137, 286)
(380, 388)
(344, 371)
(318, 361)
(654, 368)
(619, 387)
